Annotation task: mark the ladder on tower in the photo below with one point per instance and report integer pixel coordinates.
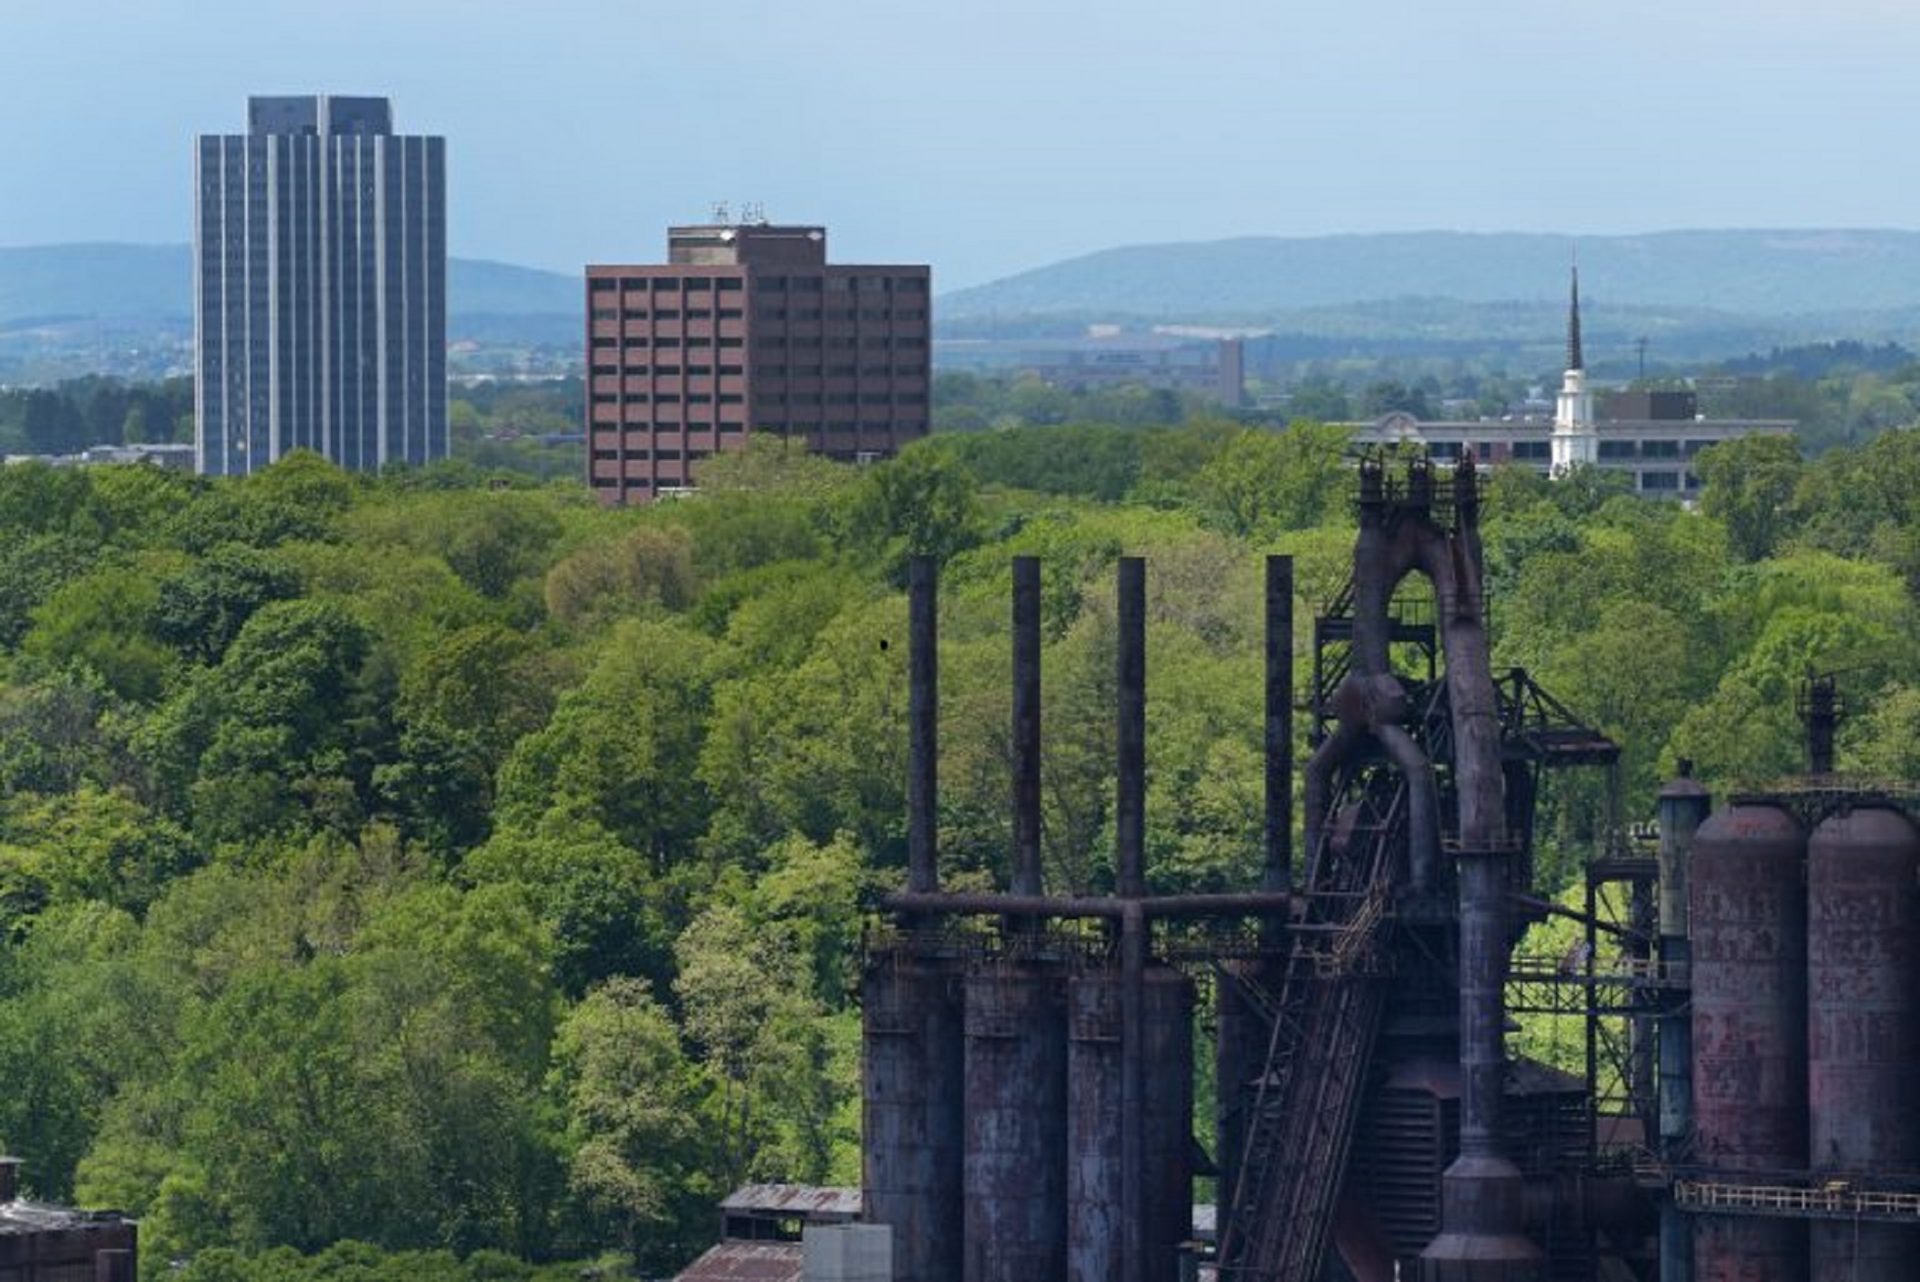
(1325, 1018)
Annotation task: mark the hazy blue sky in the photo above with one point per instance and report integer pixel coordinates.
(993, 135)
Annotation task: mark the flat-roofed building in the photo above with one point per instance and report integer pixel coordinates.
(1653, 436)
(1657, 452)
(748, 328)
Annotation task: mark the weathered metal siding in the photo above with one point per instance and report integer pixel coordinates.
(1095, 1168)
(1863, 966)
(1749, 923)
(1016, 1125)
(1166, 1200)
(1096, 1222)
(914, 1119)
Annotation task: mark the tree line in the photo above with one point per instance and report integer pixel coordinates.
(440, 872)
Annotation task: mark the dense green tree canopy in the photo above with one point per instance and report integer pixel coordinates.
(409, 877)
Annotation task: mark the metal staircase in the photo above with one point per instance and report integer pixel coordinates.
(1325, 1017)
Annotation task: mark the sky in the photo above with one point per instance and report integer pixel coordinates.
(990, 136)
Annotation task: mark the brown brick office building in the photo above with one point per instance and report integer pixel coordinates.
(747, 328)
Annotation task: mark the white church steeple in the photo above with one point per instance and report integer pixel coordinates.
(1575, 440)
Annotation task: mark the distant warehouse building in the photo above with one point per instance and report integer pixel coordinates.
(747, 328)
(1652, 436)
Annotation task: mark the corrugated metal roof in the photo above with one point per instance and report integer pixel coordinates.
(42, 1217)
(794, 1199)
(747, 1262)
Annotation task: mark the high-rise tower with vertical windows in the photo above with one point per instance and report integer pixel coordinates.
(320, 300)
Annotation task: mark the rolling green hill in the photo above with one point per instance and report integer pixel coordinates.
(1754, 273)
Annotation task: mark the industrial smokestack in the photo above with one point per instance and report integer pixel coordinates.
(1130, 812)
(1026, 726)
(923, 722)
(1279, 868)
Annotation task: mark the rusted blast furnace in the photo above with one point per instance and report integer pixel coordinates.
(1029, 1084)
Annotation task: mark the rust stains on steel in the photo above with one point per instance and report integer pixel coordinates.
(1749, 911)
(1863, 1006)
(812, 1200)
(748, 1262)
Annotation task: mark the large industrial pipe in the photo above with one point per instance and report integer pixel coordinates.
(1683, 807)
(1026, 726)
(1130, 811)
(1279, 844)
(1482, 1228)
(923, 722)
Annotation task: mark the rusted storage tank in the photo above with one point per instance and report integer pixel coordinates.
(1016, 1124)
(1749, 921)
(1863, 1017)
(913, 1100)
(1096, 1190)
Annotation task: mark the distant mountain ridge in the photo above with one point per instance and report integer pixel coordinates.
(113, 282)
(1753, 273)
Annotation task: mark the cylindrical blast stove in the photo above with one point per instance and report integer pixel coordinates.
(1863, 1015)
(1096, 1226)
(914, 1118)
(1016, 1124)
(1749, 968)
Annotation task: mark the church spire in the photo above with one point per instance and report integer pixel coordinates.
(1575, 360)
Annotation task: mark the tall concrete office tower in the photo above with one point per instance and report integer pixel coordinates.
(320, 301)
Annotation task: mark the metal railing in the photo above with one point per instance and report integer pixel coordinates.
(1836, 1200)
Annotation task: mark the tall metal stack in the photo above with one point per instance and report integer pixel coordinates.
(1029, 1090)
(1029, 1055)
(1683, 806)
